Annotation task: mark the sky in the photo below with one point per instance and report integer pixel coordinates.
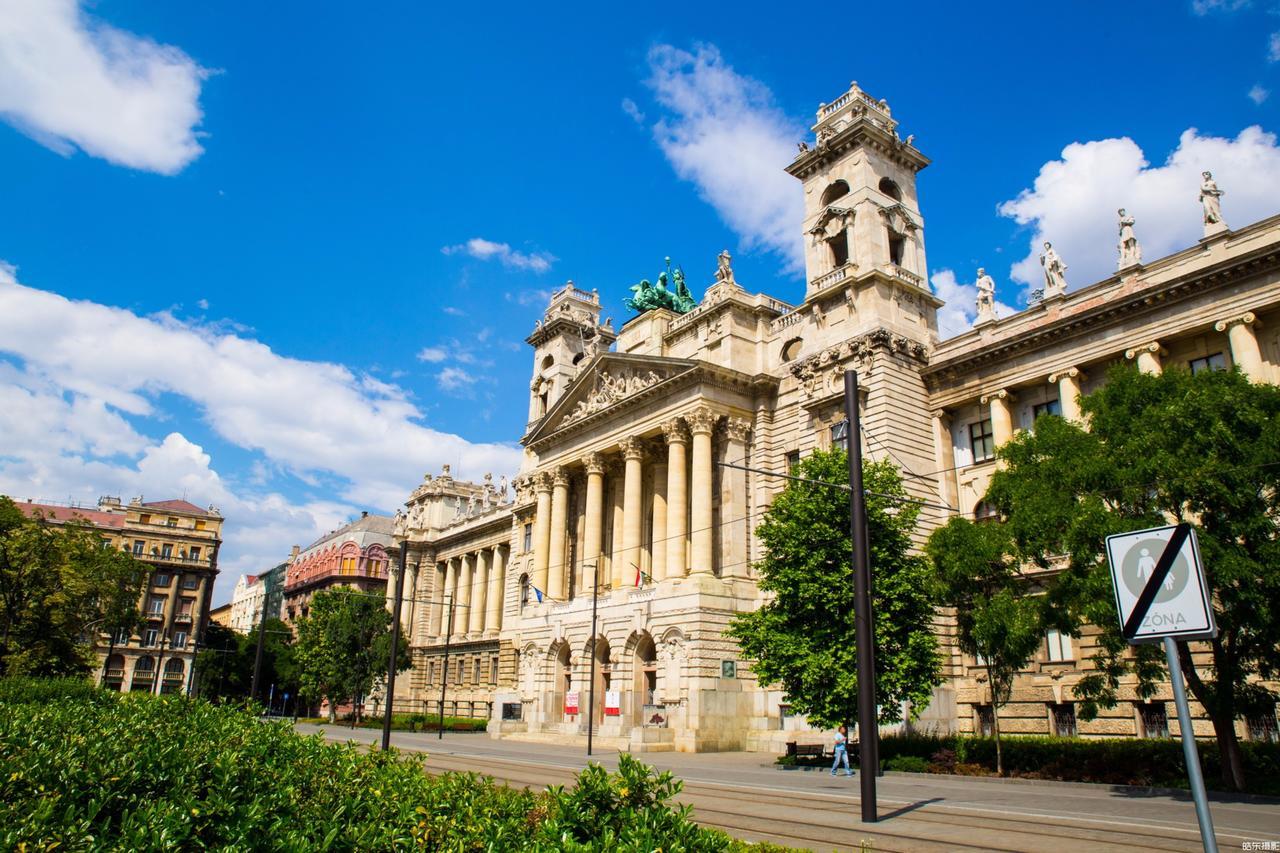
(281, 257)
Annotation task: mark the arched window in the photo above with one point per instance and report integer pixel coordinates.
(524, 591)
(890, 188)
(547, 362)
(985, 513)
(791, 349)
(839, 189)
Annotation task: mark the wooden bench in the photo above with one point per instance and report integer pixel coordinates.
(806, 750)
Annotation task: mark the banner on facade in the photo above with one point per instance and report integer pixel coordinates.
(571, 702)
(612, 703)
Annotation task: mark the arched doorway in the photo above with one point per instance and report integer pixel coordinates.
(144, 675)
(644, 667)
(173, 672)
(604, 680)
(114, 679)
(563, 684)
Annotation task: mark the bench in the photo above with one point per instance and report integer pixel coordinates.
(806, 750)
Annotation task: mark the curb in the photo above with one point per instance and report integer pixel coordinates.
(1131, 790)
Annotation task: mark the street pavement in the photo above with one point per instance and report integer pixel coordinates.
(746, 796)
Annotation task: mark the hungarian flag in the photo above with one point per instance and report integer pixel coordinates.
(641, 577)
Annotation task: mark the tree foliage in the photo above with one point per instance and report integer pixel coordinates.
(225, 663)
(343, 646)
(59, 586)
(803, 638)
(1201, 448)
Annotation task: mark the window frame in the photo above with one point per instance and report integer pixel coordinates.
(981, 431)
(1048, 407)
(1062, 646)
(839, 433)
(1210, 361)
(1060, 711)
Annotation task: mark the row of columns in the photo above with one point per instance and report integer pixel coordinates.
(474, 584)
(1241, 337)
(682, 504)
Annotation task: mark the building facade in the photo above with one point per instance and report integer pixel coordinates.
(354, 557)
(252, 594)
(628, 510)
(180, 541)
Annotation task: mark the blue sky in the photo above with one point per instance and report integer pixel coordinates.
(282, 257)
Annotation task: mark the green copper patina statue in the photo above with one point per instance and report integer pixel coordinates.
(675, 297)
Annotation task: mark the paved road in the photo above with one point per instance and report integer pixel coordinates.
(743, 794)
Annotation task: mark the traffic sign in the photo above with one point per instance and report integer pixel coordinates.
(1160, 586)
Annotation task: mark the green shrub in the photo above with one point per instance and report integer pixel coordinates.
(105, 771)
(907, 764)
(45, 691)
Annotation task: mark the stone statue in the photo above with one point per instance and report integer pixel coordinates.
(401, 523)
(1211, 200)
(803, 146)
(502, 492)
(1055, 272)
(676, 298)
(445, 471)
(1130, 251)
(986, 298)
(724, 267)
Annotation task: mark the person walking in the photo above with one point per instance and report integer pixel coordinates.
(842, 751)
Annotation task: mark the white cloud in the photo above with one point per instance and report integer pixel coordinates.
(1205, 7)
(70, 81)
(533, 296)
(633, 112)
(202, 304)
(1074, 199)
(433, 355)
(453, 312)
(455, 379)
(958, 314)
(1273, 47)
(725, 134)
(1258, 94)
(91, 375)
(485, 250)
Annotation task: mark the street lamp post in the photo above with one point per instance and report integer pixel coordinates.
(591, 705)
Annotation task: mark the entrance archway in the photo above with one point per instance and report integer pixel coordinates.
(644, 667)
(563, 682)
(604, 678)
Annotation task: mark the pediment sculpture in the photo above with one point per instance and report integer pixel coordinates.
(611, 389)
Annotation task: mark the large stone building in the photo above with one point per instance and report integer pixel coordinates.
(622, 489)
(252, 594)
(353, 557)
(180, 541)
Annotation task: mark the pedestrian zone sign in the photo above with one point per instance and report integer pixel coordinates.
(1160, 585)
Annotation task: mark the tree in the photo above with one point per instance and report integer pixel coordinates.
(226, 662)
(803, 638)
(1175, 447)
(343, 647)
(59, 586)
(996, 619)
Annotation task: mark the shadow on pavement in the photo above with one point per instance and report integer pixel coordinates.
(910, 807)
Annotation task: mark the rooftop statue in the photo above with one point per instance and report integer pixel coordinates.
(670, 292)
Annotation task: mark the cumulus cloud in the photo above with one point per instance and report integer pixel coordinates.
(1273, 47)
(70, 81)
(958, 314)
(723, 133)
(82, 382)
(1258, 94)
(1074, 199)
(536, 297)
(633, 112)
(432, 355)
(455, 379)
(487, 250)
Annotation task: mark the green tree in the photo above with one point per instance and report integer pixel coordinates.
(59, 586)
(343, 647)
(225, 664)
(1201, 448)
(803, 638)
(996, 619)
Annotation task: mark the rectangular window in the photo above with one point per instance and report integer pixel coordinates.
(840, 436)
(166, 551)
(793, 461)
(199, 525)
(1062, 717)
(493, 670)
(1214, 361)
(1153, 720)
(156, 605)
(194, 553)
(150, 637)
(188, 605)
(122, 637)
(161, 579)
(180, 639)
(190, 582)
(982, 441)
(458, 678)
(1059, 646)
(986, 720)
(171, 522)
(528, 542)
(145, 518)
(475, 671)
(1052, 407)
(980, 660)
(139, 546)
(1263, 727)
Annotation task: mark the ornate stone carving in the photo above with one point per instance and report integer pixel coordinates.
(632, 447)
(1130, 251)
(823, 372)
(401, 525)
(1002, 394)
(559, 476)
(737, 429)
(702, 420)
(1065, 373)
(594, 463)
(542, 482)
(1154, 348)
(724, 267)
(1248, 318)
(611, 389)
(1055, 272)
(675, 431)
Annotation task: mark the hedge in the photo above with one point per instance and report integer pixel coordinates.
(89, 771)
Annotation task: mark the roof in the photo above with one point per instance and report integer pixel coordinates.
(177, 506)
(370, 523)
(63, 514)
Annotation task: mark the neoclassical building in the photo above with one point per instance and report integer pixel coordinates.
(354, 557)
(628, 502)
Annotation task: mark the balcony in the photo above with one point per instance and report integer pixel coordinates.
(186, 617)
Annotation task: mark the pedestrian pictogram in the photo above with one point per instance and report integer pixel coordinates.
(1160, 585)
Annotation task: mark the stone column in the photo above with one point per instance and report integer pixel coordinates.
(1068, 381)
(593, 533)
(556, 568)
(408, 606)
(677, 498)
(542, 531)
(1244, 344)
(1001, 416)
(466, 577)
(632, 511)
(493, 599)
(615, 545)
(438, 591)
(455, 580)
(1148, 356)
(479, 589)
(658, 548)
(701, 423)
(945, 457)
(735, 504)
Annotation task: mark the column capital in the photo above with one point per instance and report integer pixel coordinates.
(675, 431)
(1065, 373)
(940, 415)
(632, 447)
(1152, 347)
(542, 482)
(1248, 318)
(737, 429)
(560, 476)
(1003, 394)
(702, 420)
(594, 463)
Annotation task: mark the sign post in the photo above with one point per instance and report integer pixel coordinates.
(1162, 596)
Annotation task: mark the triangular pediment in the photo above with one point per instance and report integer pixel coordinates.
(611, 380)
